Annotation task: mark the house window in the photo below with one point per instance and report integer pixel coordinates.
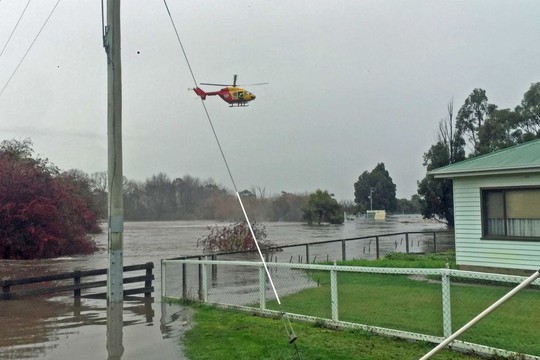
(512, 213)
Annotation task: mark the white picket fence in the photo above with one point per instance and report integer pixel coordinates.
(243, 285)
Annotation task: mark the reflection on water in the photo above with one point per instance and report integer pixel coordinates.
(115, 347)
(175, 320)
(34, 326)
(57, 327)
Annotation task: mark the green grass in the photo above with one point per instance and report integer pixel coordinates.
(225, 335)
(403, 260)
(367, 298)
(393, 301)
(513, 326)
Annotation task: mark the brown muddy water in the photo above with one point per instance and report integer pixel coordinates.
(57, 327)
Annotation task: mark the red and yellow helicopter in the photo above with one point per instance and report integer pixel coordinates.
(232, 94)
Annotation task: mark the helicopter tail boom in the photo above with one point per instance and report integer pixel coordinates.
(200, 92)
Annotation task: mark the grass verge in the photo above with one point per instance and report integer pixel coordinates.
(225, 335)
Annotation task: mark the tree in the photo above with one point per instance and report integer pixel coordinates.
(135, 201)
(529, 112)
(187, 190)
(83, 186)
(348, 206)
(212, 195)
(42, 214)
(160, 197)
(247, 194)
(488, 128)
(196, 199)
(471, 117)
(437, 194)
(379, 185)
(321, 207)
(412, 206)
(499, 131)
(233, 238)
(288, 207)
(98, 183)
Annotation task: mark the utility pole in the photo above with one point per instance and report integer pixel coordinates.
(115, 291)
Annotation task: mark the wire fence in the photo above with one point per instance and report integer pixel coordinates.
(364, 247)
(418, 304)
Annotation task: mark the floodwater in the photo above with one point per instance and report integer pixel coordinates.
(57, 327)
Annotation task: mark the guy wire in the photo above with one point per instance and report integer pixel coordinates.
(202, 101)
(286, 321)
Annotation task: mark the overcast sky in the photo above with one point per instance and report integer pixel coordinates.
(351, 83)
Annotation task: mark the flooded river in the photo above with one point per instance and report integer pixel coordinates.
(58, 328)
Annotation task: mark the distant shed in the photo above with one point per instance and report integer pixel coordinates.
(497, 208)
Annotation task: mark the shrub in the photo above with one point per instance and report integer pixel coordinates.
(233, 238)
(41, 215)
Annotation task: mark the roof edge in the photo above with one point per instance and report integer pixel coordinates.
(487, 172)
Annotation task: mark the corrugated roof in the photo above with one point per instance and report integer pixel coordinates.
(516, 159)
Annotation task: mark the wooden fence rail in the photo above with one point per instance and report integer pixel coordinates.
(77, 285)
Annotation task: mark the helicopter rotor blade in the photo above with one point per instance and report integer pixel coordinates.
(211, 84)
(234, 84)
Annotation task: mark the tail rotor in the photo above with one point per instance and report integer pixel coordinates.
(200, 92)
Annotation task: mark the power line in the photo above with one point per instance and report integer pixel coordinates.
(15, 28)
(28, 50)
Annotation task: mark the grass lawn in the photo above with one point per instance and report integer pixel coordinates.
(225, 335)
(393, 301)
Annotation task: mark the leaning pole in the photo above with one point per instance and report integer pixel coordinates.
(115, 291)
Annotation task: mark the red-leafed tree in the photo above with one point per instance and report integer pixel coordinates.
(42, 214)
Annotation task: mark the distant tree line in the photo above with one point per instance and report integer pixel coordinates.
(479, 128)
(160, 197)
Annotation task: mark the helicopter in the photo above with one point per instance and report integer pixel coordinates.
(232, 94)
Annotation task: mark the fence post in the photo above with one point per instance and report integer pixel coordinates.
(262, 288)
(343, 250)
(434, 242)
(214, 269)
(407, 243)
(446, 303)
(377, 246)
(200, 279)
(184, 281)
(5, 289)
(163, 277)
(334, 294)
(148, 281)
(307, 253)
(77, 283)
(204, 281)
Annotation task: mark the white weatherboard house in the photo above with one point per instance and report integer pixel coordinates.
(497, 208)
